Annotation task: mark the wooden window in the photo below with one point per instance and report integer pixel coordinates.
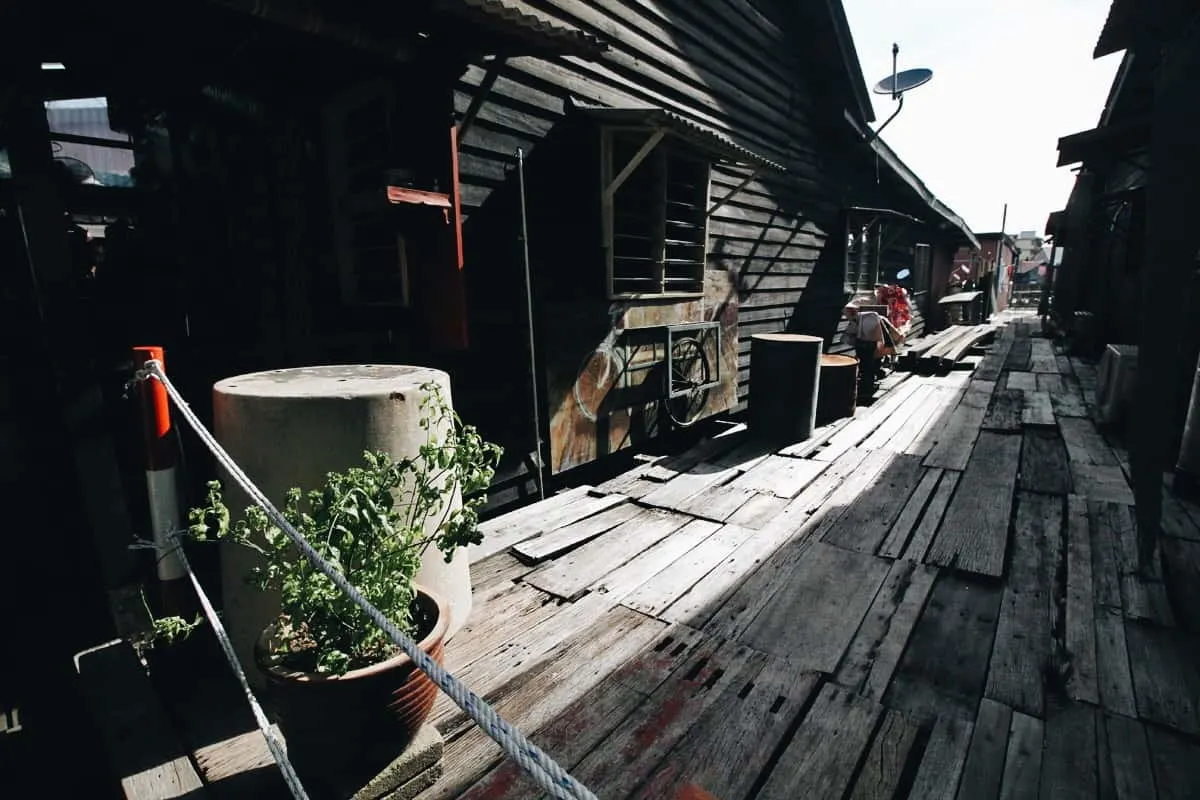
(656, 222)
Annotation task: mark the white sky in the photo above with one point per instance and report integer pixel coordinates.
(1009, 78)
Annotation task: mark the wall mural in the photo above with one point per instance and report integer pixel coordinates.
(611, 367)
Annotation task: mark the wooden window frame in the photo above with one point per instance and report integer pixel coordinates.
(657, 143)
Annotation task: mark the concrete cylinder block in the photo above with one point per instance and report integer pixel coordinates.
(289, 428)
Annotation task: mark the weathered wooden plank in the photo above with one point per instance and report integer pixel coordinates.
(1085, 444)
(143, 750)
(866, 522)
(919, 436)
(625, 758)
(1054, 384)
(957, 439)
(813, 617)
(561, 540)
(1064, 364)
(1022, 646)
(647, 565)
(994, 361)
(819, 439)
(1129, 757)
(1166, 675)
(496, 573)
(984, 769)
(885, 761)
(1069, 403)
(1101, 483)
(697, 605)
(700, 478)
(1112, 663)
(725, 752)
(1080, 612)
(561, 509)
(1023, 759)
(875, 651)
(931, 520)
(974, 533)
(934, 677)
(758, 511)
(570, 575)
(781, 476)
(899, 418)
(941, 766)
(1005, 411)
(1181, 565)
(1106, 570)
(493, 621)
(1042, 358)
(539, 695)
(866, 423)
(1037, 409)
(910, 515)
(655, 596)
(1022, 381)
(631, 483)
(1044, 465)
(1019, 356)
(1176, 763)
(718, 503)
(1069, 760)
(829, 496)
(589, 719)
(822, 756)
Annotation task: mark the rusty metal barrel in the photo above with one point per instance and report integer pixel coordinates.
(785, 370)
(837, 392)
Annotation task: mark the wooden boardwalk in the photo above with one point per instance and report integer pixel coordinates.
(934, 599)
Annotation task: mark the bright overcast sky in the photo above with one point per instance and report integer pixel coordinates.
(1010, 78)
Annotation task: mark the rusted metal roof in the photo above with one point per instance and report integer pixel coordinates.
(660, 118)
(519, 20)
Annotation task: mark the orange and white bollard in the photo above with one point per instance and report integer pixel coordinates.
(161, 480)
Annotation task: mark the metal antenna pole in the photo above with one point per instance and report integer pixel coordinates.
(533, 375)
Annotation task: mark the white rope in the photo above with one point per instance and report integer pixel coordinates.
(273, 744)
(543, 769)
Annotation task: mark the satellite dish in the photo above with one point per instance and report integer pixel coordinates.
(897, 84)
(903, 81)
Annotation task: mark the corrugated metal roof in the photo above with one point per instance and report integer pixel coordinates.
(518, 19)
(656, 117)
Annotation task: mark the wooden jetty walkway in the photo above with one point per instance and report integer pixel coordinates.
(934, 599)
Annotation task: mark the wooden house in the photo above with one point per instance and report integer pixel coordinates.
(263, 185)
(318, 185)
(1128, 230)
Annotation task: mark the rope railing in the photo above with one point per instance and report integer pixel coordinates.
(542, 768)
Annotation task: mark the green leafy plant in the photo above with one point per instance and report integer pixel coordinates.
(372, 523)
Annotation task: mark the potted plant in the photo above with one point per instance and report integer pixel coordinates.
(334, 679)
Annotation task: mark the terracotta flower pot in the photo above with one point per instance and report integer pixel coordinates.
(327, 720)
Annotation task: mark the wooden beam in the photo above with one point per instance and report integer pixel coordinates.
(638, 158)
(481, 94)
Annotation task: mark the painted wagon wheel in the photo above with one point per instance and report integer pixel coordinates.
(690, 370)
(598, 375)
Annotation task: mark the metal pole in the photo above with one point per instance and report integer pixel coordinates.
(533, 375)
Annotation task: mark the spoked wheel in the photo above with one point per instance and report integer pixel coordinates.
(690, 371)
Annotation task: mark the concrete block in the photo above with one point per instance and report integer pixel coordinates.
(416, 769)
